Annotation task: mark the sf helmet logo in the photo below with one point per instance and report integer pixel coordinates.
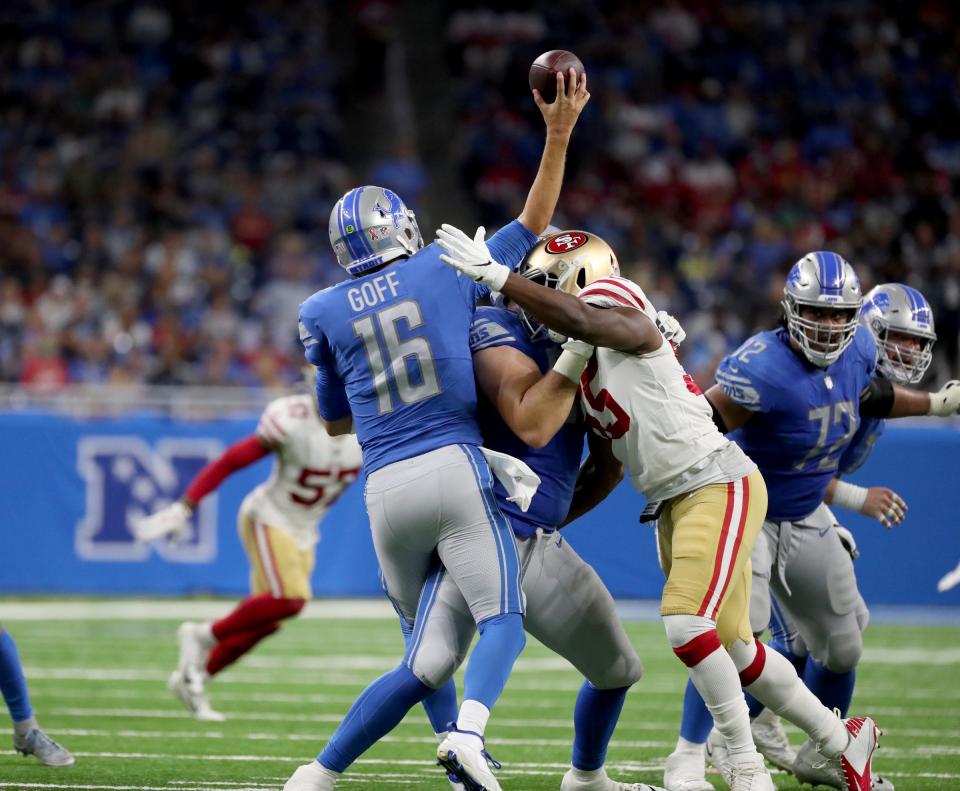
(566, 242)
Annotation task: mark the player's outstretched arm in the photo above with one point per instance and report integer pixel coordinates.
(174, 520)
(599, 475)
(535, 406)
(727, 413)
(877, 502)
(560, 116)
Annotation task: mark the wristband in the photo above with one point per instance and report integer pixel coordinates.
(571, 365)
(849, 496)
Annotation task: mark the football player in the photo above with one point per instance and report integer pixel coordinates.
(707, 495)
(278, 525)
(28, 739)
(793, 398)
(568, 607)
(391, 346)
(901, 322)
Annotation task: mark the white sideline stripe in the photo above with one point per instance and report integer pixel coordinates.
(184, 609)
(259, 737)
(912, 656)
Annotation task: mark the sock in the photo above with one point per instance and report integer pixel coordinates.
(695, 720)
(254, 612)
(473, 717)
(834, 690)
(377, 711)
(712, 671)
(501, 641)
(770, 678)
(13, 685)
(686, 746)
(441, 707)
(231, 648)
(594, 718)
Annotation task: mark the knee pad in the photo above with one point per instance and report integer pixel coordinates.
(843, 651)
(692, 637)
(625, 672)
(435, 668)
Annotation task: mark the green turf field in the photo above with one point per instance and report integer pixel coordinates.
(98, 687)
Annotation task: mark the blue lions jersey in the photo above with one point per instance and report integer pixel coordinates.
(558, 462)
(804, 419)
(392, 349)
(861, 446)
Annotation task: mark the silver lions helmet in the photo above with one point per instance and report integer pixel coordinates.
(822, 281)
(371, 226)
(901, 321)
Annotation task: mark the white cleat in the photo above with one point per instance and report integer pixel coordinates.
(878, 783)
(849, 771)
(193, 696)
(771, 740)
(750, 775)
(717, 755)
(463, 757)
(577, 780)
(193, 649)
(310, 777)
(43, 748)
(685, 771)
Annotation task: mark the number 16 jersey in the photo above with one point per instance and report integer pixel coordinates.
(392, 349)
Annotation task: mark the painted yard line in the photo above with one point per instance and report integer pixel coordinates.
(185, 609)
(911, 656)
(429, 739)
(929, 749)
(230, 787)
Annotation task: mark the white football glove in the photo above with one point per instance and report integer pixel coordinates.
(471, 256)
(848, 541)
(946, 401)
(172, 522)
(670, 328)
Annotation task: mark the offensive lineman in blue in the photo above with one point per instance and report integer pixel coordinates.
(793, 399)
(568, 607)
(391, 346)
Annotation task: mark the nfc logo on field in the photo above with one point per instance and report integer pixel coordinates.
(127, 479)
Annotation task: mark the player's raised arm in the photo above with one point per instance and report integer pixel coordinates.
(624, 329)
(599, 475)
(560, 117)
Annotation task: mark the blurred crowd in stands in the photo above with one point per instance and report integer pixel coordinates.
(724, 140)
(167, 168)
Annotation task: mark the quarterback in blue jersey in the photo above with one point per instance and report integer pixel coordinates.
(793, 399)
(391, 347)
(568, 607)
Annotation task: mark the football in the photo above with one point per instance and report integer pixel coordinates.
(546, 66)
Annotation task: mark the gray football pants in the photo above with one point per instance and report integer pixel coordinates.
(569, 610)
(810, 574)
(442, 504)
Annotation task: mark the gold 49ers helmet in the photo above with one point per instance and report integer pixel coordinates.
(567, 261)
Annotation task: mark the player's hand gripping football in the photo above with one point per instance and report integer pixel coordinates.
(471, 256)
(562, 113)
(172, 522)
(884, 505)
(946, 401)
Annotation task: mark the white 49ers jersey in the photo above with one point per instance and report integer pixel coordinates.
(310, 472)
(659, 421)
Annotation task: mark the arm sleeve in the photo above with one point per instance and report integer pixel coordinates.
(239, 455)
(877, 398)
(746, 384)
